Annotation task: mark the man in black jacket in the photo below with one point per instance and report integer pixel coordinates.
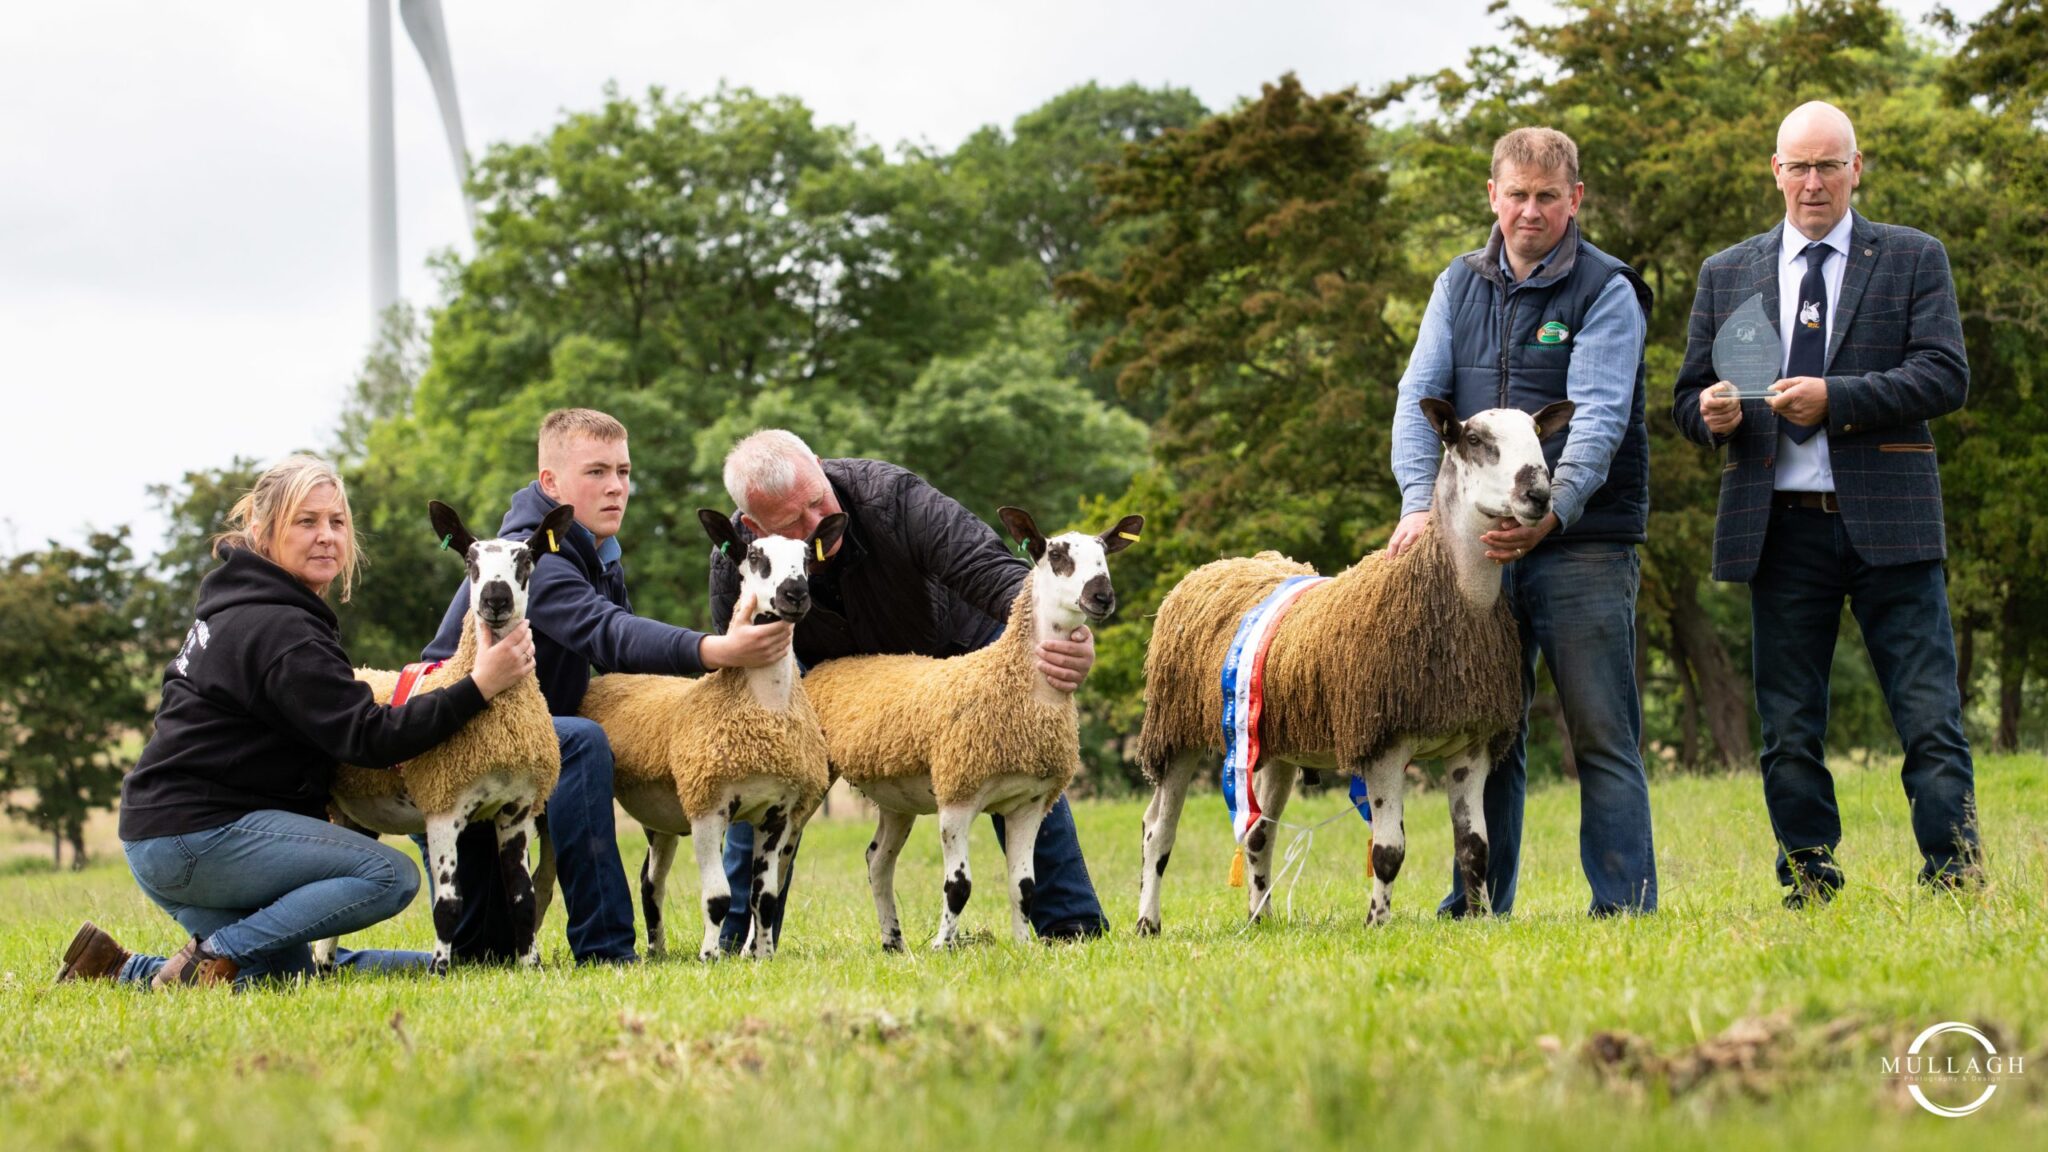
(915, 572)
(583, 619)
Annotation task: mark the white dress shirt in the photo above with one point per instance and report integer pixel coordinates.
(1805, 467)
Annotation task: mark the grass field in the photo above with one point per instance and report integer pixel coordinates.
(1723, 1021)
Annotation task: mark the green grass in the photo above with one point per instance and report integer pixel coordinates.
(1306, 1032)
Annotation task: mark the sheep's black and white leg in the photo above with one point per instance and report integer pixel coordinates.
(1274, 784)
(771, 832)
(323, 955)
(955, 822)
(1020, 842)
(515, 829)
(661, 852)
(1385, 780)
(890, 832)
(707, 839)
(442, 832)
(1467, 788)
(1162, 823)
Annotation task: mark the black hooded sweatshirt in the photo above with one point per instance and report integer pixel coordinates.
(260, 705)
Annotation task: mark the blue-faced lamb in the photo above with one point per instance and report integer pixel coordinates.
(983, 731)
(500, 767)
(691, 757)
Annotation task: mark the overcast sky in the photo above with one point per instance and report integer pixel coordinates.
(184, 191)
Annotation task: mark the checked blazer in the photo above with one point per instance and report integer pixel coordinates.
(1895, 361)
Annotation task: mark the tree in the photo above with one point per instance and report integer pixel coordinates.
(70, 682)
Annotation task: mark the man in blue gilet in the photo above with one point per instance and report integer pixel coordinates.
(1536, 316)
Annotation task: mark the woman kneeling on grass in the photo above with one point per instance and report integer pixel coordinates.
(224, 819)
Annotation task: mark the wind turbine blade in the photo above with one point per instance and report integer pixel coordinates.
(429, 34)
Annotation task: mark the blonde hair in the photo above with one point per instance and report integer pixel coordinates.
(558, 426)
(1545, 149)
(262, 513)
(768, 464)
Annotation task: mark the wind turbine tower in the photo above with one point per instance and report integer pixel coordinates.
(429, 35)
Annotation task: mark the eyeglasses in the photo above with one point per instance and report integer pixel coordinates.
(1799, 169)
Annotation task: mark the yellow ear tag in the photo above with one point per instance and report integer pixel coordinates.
(821, 550)
(1131, 536)
(552, 547)
(1237, 868)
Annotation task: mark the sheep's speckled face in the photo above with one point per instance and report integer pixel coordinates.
(1080, 575)
(775, 574)
(499, 571)
(1499, 455)
(1071, 570)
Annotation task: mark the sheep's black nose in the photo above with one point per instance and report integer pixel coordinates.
(793, 596)
(1097, 597)
(496, 599)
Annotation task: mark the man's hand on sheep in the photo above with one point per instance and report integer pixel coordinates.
(1510, 541)
(1407, 532)
(745, 644)
(504, 660)
(1065, 663)
(1720, 408)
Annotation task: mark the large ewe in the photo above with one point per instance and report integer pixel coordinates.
(1413, 657)
(694, 756)
(500, 767)
(983, 731)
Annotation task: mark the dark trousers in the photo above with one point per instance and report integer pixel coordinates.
(1808, 567)
(1575, 604)
(581, 823)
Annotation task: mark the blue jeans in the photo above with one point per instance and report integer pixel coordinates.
(1808, 567)
(259, 891)
(584, 829)
(1575, 604)
(1062, 903)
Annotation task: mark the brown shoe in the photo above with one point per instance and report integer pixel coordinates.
(193, 964)
(92, 955)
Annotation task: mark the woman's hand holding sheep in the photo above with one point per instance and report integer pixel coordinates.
(1407, 532)
(504, 661)
(1065, 663)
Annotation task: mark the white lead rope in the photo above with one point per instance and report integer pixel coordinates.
(1294, 860)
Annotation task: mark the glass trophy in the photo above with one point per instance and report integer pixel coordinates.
(1747, 353)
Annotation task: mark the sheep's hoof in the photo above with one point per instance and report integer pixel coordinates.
(710, 956)
(1147, 926)
(893, 944)
(439, 966)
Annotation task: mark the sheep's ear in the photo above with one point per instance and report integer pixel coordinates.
(824, 538)
(1123, 535)
(448, 528)
(723, 538)
(1022, 527)
(554, 526)
(1443, 418)
(1551, 418)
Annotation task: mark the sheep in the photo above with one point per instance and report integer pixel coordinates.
(694, 756)
(983, 731)
(1397, 658)
(501, 766)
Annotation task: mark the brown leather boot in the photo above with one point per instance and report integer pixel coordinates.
(193, 964)
(92, 955)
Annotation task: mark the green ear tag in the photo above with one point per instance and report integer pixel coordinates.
(725, 549)
(447, 540)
